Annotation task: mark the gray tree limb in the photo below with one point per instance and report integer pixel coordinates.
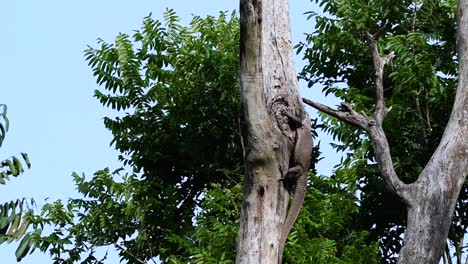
(432, 197)
(372, 125)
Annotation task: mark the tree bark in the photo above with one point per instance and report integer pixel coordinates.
(431, 199)
(434, 194)
(268, 88)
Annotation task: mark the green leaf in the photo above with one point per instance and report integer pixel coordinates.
(24, 247)
(11, 167)
(14, 227)
(18, 165)
(26, 159)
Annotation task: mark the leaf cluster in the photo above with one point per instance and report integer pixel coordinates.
(175, 92)
(326, 230)
(14, 215)
(177, 86)
(14, 222)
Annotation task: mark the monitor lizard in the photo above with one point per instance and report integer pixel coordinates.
(296, 176)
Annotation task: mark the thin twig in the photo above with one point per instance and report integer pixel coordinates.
(428, 114)
(151, 252)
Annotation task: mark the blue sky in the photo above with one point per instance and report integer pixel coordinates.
(48, 88)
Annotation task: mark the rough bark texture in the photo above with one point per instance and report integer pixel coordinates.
(434, 194)
(431, 199)
(269, 87)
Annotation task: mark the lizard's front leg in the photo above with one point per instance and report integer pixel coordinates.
(294, 173)
(292, 176)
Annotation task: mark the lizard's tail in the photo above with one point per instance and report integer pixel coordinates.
(295, 208)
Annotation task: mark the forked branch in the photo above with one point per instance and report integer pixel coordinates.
(379, 64)
(373, 125)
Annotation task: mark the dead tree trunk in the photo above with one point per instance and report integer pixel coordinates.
(272, 114)
(431, 199)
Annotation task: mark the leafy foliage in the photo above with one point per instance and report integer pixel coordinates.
(182, 129)
(175, 91)
(419, 88)
(106, 213)
(324, 228)
(14, 223)
(13, 166)
(14, 215)
(325, 231)
(214, 238)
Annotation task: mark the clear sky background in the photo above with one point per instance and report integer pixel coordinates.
(48, 88)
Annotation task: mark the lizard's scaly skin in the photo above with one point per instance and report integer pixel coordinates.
(298, 173)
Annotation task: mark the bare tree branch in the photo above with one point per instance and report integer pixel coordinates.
(349, 115)
(372, 125)
(379, 64)
(384, 160)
